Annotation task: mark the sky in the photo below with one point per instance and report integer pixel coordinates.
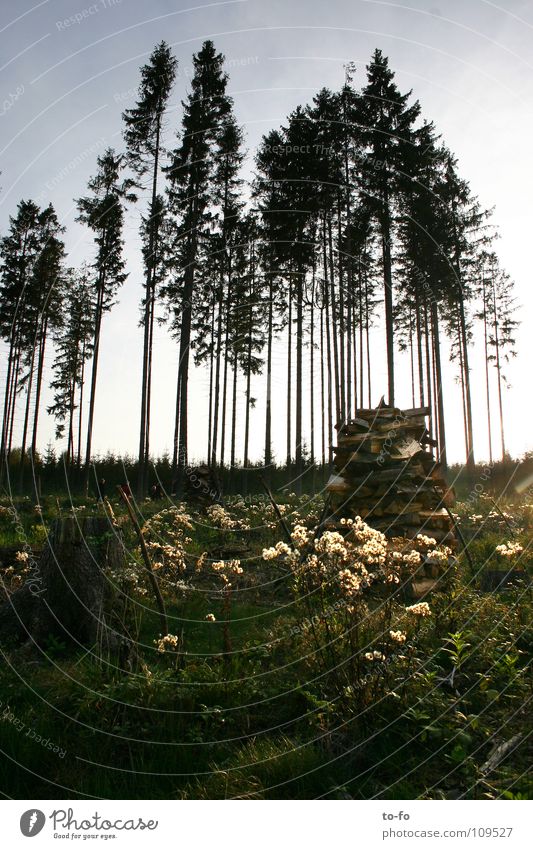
(69, 68)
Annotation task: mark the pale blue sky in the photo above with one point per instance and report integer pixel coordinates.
(70, 67)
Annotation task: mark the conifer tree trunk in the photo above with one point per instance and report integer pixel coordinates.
(176, 435)
(498, 370)
(181, 449)
(486, 351)
(328, 366)
(183, 396)
(248, 391)
(335, 328)
(361, 337)
(429, 381)
(216, 404)
(312, 376)
(357, 390)
(342, 326)
(412, 359)
(438, 384)
(419, 357)
(234, 417)
(146, 459)
(72, 403)
(14, 394)
(80, 402)
(322, 388)
(268, 403)
(148, 340)
(299, 377)
(211, 387)
(367, 337)
(29, 388)
(349, 343)
(387, 275)
(225, 381)
(470, 461)
(10, 377)
(38, 389)
(94, 375)
(462, 382)
(289, 378)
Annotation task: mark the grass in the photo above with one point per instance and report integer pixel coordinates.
(271, 720)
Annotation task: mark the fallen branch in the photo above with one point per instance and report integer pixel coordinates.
(459, 534)
(319, 530)
(500, 753)
(147, 562)
(277, 511)
(504, 517)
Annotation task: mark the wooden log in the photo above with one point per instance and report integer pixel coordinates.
(410, 427)
(337, 483)
(414, 412)
(356, 424)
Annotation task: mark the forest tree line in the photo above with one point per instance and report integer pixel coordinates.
(356, 216)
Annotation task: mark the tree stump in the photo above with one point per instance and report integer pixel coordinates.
(67, 593)
(202, 487)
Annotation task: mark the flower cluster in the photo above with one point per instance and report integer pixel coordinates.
(220, 518)
(170, 642)
(439, 556)
(509, 549)
(412, 558)
(301, 536)
(232, 567)
(398, 636)
(166, 540)
(350, 583)
(225, 569)
(279, 550)
(374, 655)
(131, 579)
(421, 609)
(425, 541)
(362, 532)
(332, 544)
(201, 562)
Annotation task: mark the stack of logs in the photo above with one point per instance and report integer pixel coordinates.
(386, 474)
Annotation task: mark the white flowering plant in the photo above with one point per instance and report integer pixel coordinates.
(348, 584)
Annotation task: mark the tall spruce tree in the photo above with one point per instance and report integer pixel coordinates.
(388, 120)
(43, 313)
(468, 233)
(32, 256)
(73, 348)
(228, 202)
(191, 173)
(103, 212)
(19, 250)
(425, 271)
(143, 134)
(497, 312)
(268, 194)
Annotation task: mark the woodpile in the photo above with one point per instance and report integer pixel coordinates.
(385, 473)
